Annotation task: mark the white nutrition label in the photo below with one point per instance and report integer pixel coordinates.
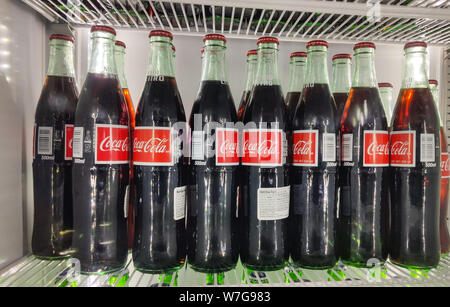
(179, 202)
(273, 203)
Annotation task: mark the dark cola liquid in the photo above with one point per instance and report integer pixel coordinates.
(212, 223)
(264, 243)
(415, 191)
(100, 225)
(443, 219)
(292, 100)
(243, 104)
(364, 201)
(52, 173)
(160, 240)
(313, 189)
(340, 99)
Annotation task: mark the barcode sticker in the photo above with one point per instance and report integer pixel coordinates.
(197, 145)
(427, 148)
(77, 142)
(347, 147)
(273, 203)
(45, 141)
(329, 147)
(179, 202)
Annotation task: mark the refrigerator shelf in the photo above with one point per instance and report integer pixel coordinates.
(389, 21)
(33, 272)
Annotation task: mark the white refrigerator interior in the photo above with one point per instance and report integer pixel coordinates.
(25, 27)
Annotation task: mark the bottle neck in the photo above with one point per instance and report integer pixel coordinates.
(364, 72)
(435, 92)
(386, 100)
(161, 61)
(252, 62)
(101, 60)
(316, 67)
(119, 54)
(267, 67)
(297, 70)
(341, 80)
(214, 68)
(415, 68)
(60, 63)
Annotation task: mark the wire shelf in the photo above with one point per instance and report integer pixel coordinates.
(33, 272)
(394, 21)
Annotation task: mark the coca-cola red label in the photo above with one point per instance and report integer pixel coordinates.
(68, 143)
(403, 148)
(376, 148)
(227, 146)
(112, 144)
(445, 165)
(262, 147)
(305, 147)
(153, 146)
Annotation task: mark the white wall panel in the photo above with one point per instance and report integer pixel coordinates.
(21, 78)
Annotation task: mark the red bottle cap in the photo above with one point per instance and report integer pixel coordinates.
(252, 52)
(173, 48)
(214, 36)
(298, 54)
(267, 39)
(160, 33)
(103, 29)
(63, 37)
(385, 84)
(317, 43)
(415, 44)
(432, 81)
(121, 44)
(341, 56)
(364, 45)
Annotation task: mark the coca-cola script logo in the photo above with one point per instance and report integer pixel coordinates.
(262, 147)
(403, 148)
(305, 148)
(68, 147)
(152, 146)
(445, 165)
(112, 144)
(227, 146)
(376, 148)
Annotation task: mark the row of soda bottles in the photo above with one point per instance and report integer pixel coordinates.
(297, 179)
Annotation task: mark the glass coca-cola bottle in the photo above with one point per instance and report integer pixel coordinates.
(313, 175)
(264, 176)
(385, 89)
(252, 58)
(297, 72)
(415, 167)
(364, 168)
(101, 162)
(341, 80)
(52, 154)
(160, 241)
(119, 55)
(445, 175)
(212, 221)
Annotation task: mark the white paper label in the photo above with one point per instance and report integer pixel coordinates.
(197, 145)
(347, 147)
(273, 203)
(179, 202)
(77, 142)
(45, 141)
(329, 147)
(427, 147)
